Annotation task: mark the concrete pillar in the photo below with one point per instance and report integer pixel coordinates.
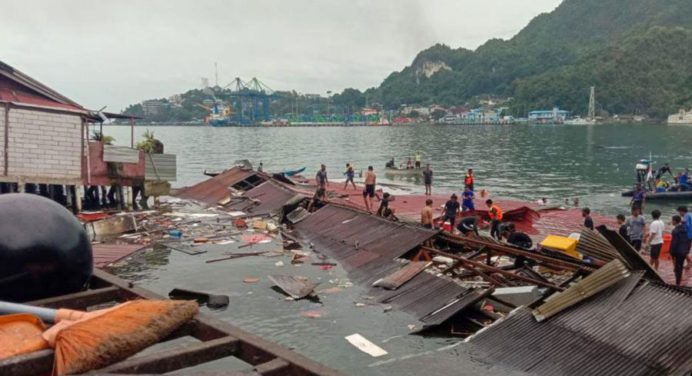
(78, 197)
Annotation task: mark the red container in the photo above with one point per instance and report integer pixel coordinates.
(665, 250)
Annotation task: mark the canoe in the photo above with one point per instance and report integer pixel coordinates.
(662, 196)
(293, 172)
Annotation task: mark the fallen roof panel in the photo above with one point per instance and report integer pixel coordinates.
(647, 333)
(266, 198)
(215, 189)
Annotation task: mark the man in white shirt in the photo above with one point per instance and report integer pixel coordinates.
(655, 237)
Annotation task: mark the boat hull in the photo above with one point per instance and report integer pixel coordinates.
(663, 196)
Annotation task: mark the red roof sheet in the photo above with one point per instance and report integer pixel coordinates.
(215, 189)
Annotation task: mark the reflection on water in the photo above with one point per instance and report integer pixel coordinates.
(519, 161)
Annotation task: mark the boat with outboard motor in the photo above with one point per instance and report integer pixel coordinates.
(675, 192)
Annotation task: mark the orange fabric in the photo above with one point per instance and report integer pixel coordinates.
(107, 336)
(468, 180)
(20, 334)
(495, 212)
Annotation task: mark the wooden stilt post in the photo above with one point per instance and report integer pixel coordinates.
(78, 198)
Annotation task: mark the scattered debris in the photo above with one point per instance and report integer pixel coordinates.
(365, 345)
(296, 288)
(211, 300)
(251, 280)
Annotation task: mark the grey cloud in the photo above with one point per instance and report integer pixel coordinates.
(120, 52)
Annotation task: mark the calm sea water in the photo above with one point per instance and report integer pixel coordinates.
(527, 162)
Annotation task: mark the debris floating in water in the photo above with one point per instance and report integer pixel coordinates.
(365, 345)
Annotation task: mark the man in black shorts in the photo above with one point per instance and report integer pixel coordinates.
(427, 179)
(369, 191)
(452, 208)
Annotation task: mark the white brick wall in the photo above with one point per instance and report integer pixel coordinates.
(44, 145)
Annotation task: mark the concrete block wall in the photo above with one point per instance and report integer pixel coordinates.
(44, 145)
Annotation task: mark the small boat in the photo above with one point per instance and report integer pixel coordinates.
(293, 172)
(403, 171)
(642, 167)
(663, 196)
(211, 173)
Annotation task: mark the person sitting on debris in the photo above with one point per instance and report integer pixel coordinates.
(318, 200)
(468, 225)
(588, 221)
(389, 214)
(384, 204)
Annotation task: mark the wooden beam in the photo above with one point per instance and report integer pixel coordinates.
(274, 367)
(493, 269)
(35, 363)
(82, 300)
(516, 252)
(175, 359)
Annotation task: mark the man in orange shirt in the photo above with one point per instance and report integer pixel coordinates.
(495, 214)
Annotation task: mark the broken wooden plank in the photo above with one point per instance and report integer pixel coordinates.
(365, 345)
(395, 280)
(292, 286)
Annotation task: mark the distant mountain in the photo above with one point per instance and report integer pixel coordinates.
(638, 53)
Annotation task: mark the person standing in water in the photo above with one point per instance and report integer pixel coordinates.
(427, 179)
(321, 177)
(369, 190)
(469, 179)
(418, 159)
(350, 174)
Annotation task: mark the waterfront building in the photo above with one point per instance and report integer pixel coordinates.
(555, 115)
(682, 117)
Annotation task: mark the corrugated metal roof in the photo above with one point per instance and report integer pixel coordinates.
(621, 331)
(215, 189)
(120, 154)
(160, 167)
(266, 198)
(368, 245)
(20, 88)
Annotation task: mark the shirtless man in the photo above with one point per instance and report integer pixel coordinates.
(369, 191)
(426, 215)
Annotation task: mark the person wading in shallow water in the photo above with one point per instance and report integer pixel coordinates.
(369, 190)
(427, 179)
(469, 179)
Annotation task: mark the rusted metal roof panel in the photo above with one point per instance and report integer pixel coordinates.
(215, 189)
(647, 333)
(367, 246)
(266, 198)
(358, 231)
(105, 254)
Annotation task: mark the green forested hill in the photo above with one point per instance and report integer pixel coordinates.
(636, 52)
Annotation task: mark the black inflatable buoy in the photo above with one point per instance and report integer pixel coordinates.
(44, 250)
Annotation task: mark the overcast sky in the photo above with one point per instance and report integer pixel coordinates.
(120, 52)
